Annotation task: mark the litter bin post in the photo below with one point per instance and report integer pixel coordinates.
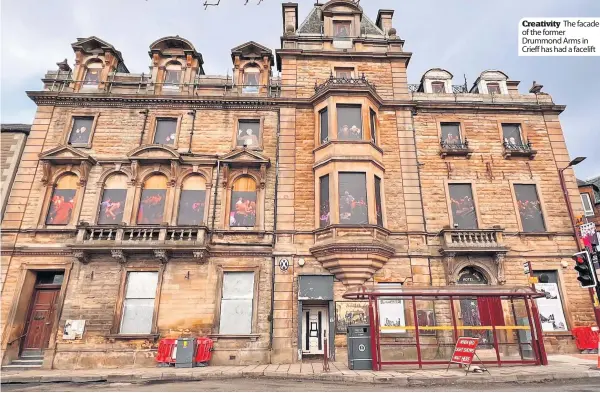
(359, 347)
(185, 352)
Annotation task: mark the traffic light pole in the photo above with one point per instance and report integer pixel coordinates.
(561, 176)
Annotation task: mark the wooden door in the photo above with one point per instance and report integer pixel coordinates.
(39, 323)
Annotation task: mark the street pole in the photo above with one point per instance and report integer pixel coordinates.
(563, 184)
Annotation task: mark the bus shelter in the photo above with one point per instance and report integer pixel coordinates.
(420, 325)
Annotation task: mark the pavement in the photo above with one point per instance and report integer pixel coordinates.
(561, 367)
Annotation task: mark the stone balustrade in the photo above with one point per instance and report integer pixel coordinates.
(473, 240)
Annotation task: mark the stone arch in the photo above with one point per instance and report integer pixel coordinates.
(487, 271)
(190, 172)
(147, 173)
(111, 171)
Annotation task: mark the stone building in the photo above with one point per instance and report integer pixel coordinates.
(12, 143)
(243, 208)
(590, 199)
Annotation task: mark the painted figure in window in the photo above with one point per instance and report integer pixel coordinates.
(251, 81)
(247, 135)
(325, 214)
(152, 207)
(341, 30)
(112, 207)
(530, 208)
(463, 210)
(191, 207)
(80, 133)
(243, 212)
(92, 76)
(172, 77)
(452, 139)
(61, 207)
(350, 133)
(353, 211)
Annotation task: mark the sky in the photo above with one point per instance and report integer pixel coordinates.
(463, 36)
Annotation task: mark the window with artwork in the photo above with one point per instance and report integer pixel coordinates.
(464, 215)
(378, 209)
(324, 208)
(588, 209)
(353, 198)
(152, 201)
(112, 203)
(349, 122)
(391, 309)
(451, 134)
(62, 201)
(324, 120)
(511, 134)
(373, 123)
(343, 72)
(550, 307)
(81, 130)
(493, 88)
(192, 201)
(438, 87)
(243, 203)
(530, 208)
(248, 134)
(237, 303)
(341, 29)
(138, 303)
(172, 76)
(251, 80)
(166, 131)
(92, 74)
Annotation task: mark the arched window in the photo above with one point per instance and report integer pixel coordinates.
(112, 203)
(471, 275)
(243, 203)
(152, 201)
(192, 201)
(62, 201)
(172, 76)
(251, 80)
(92, 75)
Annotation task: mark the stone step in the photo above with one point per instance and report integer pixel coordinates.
(21, 367)
(25, 361)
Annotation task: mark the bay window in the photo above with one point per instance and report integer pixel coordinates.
(353, 198)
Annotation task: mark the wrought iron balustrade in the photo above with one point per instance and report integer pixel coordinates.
(414, 88)
(518, 150)
(343, 81)
(459, 89)
(454, 146)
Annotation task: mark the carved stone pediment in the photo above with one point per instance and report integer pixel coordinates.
(66, 154)
(252, 50)
(154, 153)
(245, 158)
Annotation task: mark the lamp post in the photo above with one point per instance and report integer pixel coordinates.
(561, 175)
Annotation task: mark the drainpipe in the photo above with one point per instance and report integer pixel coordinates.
(215, 195)
(193, 113)
(145, 113)
(274, 229)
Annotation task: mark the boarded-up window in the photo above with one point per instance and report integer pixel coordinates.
(341, 29)
(236, 303)
(511, 133)
(324, 119)
(324, 210)
(437, 87)
(112, 203)
(378, 209)
(192, 201)
(353, 198)
(493, 88)
(349, 122)
(243, 203)
(62, 201)
(451, 133)
(462, 204)
(81, 130)
(138, 303)
(166, 131)
(152, 203)
(530, 208)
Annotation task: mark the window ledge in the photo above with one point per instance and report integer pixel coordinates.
(560, 333)
(151, 336)
(249, 337)
(537, 234)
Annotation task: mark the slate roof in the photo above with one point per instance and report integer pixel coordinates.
(313, 24)
(595, 183)
(15, 127)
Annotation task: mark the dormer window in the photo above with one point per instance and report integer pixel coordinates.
(493, 88)
(251, 80)
(172, 76)
(341, 29)
(438, 87)
(92, 75)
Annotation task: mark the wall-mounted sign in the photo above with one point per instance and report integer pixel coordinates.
(284, 264)
(74, 329)
(526, 267)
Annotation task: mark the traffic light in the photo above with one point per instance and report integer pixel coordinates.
(585, 269)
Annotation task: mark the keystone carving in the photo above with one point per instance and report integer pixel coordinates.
(81, 256)
(119, 255)
(450, 264)
(162, 255)
(47, 172)
(499, 260)
(200, 256)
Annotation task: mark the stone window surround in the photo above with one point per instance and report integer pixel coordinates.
(173, 62)
(343, 66)
(232, 176)
(482, 85)
(461, 127)
(556, 266)
(261, 127)
(118, 313)
(523, 128)
(329, 18)
(46, 200)
(81, 72)
(333, 169)
(472, 183)
(154, 117)
(221, 269)
(516, 206)
(69, 127)
(159, 68)
(331, 104)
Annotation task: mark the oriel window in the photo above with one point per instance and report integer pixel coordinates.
(81, 130)
(324, 207)
(373, 123)
(349, 122)
(353, 198)
(166, 131)
(324, 126)
(378, 208)
(464, 215)
(530, 208)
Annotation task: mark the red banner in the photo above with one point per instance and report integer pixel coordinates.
(464, 351)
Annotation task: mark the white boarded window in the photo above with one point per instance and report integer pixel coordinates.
(236, 303)
(391, 309)
(588, 209)
(138, 305)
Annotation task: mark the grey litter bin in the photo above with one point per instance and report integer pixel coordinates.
(185, 352)
(359, 347)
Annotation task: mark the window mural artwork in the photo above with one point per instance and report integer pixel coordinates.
(112, 203)
(353, 198)
(251, 80)
(248, 133)
(166, 131)
(341, 29)
(152, 203)
(349, 123)
(550, 307)
(81, 130)
(192, 201)
(243, 203)
(451, 133)
(512, 134)
(426, 318)
(530, 208)
(172, 76)
(350, 313)
(462, 204)
(62, 201)
(324, 212)
(92, 75)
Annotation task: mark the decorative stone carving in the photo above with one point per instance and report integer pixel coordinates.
(119, 255)
(449, 260)
(47, 172)
(135, 171)
(162, 255)
(263, 176)
(225, 176)
(84, 169)
(81, 256)
(200, 256)
(499, 261)
(174, 173)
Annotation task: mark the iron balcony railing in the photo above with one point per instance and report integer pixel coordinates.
(343, 81)
(456, 89)
(455, 146)
(518, 147)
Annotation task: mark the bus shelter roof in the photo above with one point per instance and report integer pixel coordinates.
(377, 290)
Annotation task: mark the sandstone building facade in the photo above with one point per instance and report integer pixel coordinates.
(242, 207)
